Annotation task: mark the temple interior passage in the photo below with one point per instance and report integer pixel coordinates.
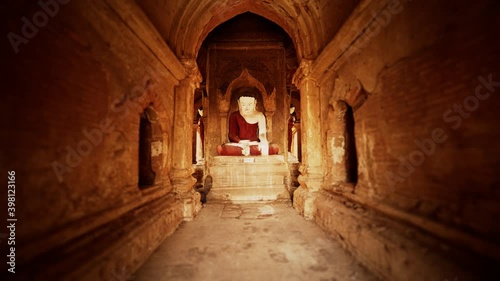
(250, 140)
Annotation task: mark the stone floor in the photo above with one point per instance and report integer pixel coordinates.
(250, 242)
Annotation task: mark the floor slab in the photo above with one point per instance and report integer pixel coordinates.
(254, 241)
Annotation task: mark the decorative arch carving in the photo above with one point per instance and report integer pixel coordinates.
(245, 80)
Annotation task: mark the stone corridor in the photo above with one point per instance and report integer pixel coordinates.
(247, 242)
(384, 115)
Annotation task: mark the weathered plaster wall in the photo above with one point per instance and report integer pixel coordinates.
(417, 63)
(72, 103)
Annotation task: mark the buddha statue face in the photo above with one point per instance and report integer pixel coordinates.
(247, 105)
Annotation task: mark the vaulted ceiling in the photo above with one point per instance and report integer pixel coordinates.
(184, 25)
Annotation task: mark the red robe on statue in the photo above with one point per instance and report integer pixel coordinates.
(240, 129)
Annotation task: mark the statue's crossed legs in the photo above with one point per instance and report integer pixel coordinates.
(252, 148)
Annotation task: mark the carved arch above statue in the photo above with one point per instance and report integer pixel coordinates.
(245, 80)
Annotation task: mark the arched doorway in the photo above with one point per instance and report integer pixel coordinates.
(249, 51)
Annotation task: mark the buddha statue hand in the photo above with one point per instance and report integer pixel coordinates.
(245, 146)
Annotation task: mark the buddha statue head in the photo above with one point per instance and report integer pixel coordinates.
(247, 103)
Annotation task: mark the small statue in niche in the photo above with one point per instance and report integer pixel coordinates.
(247, 130)
(201, 126)
(291, 122)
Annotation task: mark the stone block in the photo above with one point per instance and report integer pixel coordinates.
(239, 178)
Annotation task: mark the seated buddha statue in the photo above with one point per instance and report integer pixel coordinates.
(247, 130)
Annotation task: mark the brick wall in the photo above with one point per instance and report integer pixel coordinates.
(417, 157)
(71, 105)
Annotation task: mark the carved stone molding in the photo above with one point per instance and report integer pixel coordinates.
(270, 101)
(356, 96)
(340, 108)
(247, 80)
(303, 72)
(193, 72)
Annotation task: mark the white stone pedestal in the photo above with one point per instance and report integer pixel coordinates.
(248, 178)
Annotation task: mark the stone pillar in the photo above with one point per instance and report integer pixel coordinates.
(311, 168)
(336, 142)
(269, 125)
(270, 108)
(223, 102)
(182, 170)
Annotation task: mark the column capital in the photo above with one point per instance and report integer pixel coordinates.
(303, 73)
(193, 73)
